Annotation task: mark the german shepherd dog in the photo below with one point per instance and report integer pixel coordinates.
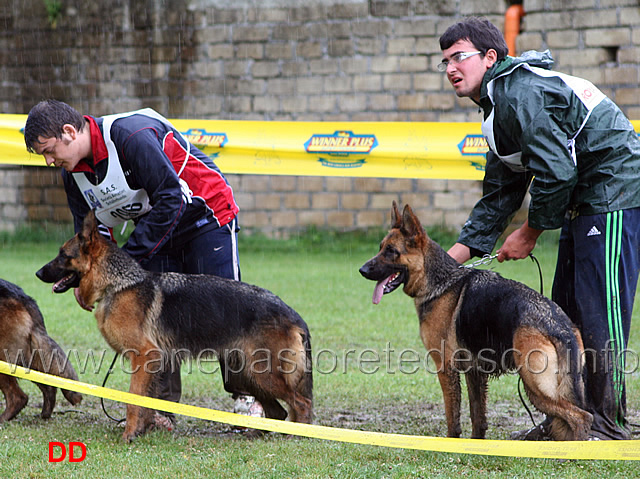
(24, 341)
(263, 345)
(479, 323)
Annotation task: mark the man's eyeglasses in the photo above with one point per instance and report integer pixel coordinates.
(455, 59)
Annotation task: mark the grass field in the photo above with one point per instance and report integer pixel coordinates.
(371, 388)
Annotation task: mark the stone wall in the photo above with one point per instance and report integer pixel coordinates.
(320, 60)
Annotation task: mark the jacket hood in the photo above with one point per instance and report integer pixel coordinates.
(532, 57)
(508, 64)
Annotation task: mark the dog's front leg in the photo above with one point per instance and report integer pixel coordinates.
(139, 418)
(450, 384)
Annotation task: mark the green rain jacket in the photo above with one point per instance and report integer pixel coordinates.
(558, 135)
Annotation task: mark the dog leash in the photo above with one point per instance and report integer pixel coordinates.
(535, 260)
(485, 260)
(488, 259)
(104, 409)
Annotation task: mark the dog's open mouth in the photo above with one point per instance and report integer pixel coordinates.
(69, 281)
(387, 285)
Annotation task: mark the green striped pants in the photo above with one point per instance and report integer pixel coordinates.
(595, 283)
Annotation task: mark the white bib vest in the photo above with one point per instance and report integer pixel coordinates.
(584, 90)
(113, 201)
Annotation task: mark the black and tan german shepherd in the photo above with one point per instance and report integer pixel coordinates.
(24, 341)
(263, 345)
(479, 323)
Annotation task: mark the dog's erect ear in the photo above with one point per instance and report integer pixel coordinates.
(411, 224)
(90, 225)
(396, 218)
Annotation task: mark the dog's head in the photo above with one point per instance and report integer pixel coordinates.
(401, 254)
(74, 259)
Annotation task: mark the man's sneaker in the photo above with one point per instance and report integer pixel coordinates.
(247, 406)
(536, 433)
(160, 421)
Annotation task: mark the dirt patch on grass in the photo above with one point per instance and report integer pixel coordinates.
(408, 417)
(412, 418)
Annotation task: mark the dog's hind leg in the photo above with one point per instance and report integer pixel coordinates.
(477, 383)
(48, 399)
(280, 368)
(272, 408)
(15, 397)
(296, 366)
(549, 385)
(301, 409)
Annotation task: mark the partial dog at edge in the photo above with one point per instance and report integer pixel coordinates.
(501, 325)
(263, 345)
(24, 341)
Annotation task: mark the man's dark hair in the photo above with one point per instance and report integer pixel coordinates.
(479, 31)
(46, 120)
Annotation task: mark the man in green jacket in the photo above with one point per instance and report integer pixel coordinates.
(564, 141)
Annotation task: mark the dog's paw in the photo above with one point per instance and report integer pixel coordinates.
(130, 434)
(74, 398)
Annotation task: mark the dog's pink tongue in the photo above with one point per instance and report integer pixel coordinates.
(379, 290)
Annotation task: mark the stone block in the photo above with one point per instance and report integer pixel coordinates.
(324, 201)
(284, 219)
(607, 37)
(369, 185)
(341, 48)
(296, 201)
(308, 218)
(338, 183)
(252, 33)
(340, 219)
(284, 183)
(365, 83)
(354, 201)
(382, 201)
(370, 219)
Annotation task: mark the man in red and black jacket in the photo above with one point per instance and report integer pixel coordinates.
(137, 166)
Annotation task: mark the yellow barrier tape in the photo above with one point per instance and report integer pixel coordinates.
(617, 450)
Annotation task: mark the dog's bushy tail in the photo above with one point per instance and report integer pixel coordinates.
(48, 357)
(571, 388)
(570, 368)
(306, 384)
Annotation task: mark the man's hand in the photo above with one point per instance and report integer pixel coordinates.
(519, 244)
(76, 293)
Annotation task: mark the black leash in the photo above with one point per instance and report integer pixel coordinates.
(525, 404)
(109, 371)
(535, 260)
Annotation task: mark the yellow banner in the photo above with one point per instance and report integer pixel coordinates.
(361, 149)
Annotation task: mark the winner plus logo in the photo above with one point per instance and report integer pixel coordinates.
(202, 138)
(341, 144)
(472, 145)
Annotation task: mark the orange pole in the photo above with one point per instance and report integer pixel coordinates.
(512, 18)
